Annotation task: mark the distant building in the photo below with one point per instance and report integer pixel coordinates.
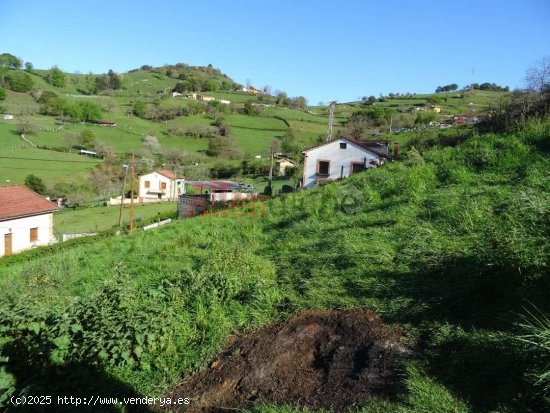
(337, 159)
(252, 89)
(26, 219)
(8, 117)
(198, 96)
(282, 164)
(160, 185)
(196, 196)
(107, 123)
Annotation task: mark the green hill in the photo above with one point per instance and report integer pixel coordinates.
(450, 245)
(141, 104)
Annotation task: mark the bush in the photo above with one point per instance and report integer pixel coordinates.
(35, 183)
(19, 81)
(2, 93)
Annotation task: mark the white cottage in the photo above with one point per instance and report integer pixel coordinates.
(26, 219)
(336, 159)
(160, 185)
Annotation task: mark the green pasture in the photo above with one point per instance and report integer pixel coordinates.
(69, 221)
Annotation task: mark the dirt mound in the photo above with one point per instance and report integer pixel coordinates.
(329, 359)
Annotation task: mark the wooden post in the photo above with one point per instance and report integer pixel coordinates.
(271, 168)
(132, 194)
(122, 196)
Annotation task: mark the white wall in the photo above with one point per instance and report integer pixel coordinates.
(155, 179)
(20, 230)
(340, 160)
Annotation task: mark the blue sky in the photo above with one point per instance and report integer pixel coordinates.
(319, 49)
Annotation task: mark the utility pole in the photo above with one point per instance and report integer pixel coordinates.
(330, 120)
(271, 169)
(122, 195)
(132, 194)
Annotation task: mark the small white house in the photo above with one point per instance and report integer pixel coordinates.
(26, 219)
(336, 159)
(160, 185)
(8, 117)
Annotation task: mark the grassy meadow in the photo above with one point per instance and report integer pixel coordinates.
(450, 245)
(102, 218)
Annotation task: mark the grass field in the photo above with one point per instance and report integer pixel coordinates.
(448, 245)
(69, 221)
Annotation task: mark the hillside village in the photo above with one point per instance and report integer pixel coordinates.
(200, 125)
(169, 222)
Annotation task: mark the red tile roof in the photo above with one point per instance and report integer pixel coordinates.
(170, 175)
(19, 201)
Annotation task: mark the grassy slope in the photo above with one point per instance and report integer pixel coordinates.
(447, 244)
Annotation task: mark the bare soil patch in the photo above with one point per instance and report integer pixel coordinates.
(318, 359)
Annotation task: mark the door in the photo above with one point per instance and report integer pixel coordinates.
(7, 244)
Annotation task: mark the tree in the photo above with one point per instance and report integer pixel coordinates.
(25, 126)
(2, 93)
(19, 81)
(139, 108)
(151, 144)
(29, 67)
(91, 112)
(290, 144)
(35, 183)
(434, 100)
(299, 102)
(115, 82)
(10, 61)
(87, 138)
(56, 77)
(224, 147)
(538, 76)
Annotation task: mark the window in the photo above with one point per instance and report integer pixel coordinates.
(163, 185)
(34, 234)
(357, 166)
(343, 145)
(323, 168)
(147, 184)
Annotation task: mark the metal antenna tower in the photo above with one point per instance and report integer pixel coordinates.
(330, 119)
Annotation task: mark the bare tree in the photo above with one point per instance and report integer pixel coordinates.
(538, 76)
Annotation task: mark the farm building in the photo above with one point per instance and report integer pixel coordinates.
(159, 185)
(282, 164)
(339, 159)
(198, 195)
(26, 219)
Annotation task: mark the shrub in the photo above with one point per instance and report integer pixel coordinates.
(19, 81)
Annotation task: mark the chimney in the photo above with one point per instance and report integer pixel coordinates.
(395, 150)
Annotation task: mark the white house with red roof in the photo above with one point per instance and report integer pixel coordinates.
(26, 219)
(337, 159)
(159, 185)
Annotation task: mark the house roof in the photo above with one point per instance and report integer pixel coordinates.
(364, 145)
(218, 185)
(281, 160)
(19, 201)
(164, 172)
